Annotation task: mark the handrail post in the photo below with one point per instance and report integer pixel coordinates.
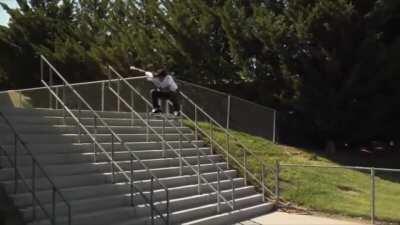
(57, 93)
(102, 95)
(163, 128)
(227, 150)
(79, 119)
(131, 180)
(212, 137)
(180, 155)
(147, 127)
(33, 179)
(263, 181)
(112, 158)
(41, 69)
(15, 164)
(118, 91)
(94, 141)
(63, 99)
(233, 193)
(245, 166)
(277, 184)
(372, 195)
(181, 117)
(218, 192)
(133, 106)
(198, 171)
(196, 134)
(51, 86)
(151, 199)
(163, 136)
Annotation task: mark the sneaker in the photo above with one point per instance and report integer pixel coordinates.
(177, 113)
(155, 111)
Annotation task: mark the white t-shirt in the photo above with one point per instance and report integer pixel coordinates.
(167, 84)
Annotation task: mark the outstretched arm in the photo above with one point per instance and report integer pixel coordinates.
(149, 75)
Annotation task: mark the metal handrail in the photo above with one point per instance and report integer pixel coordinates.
(237, 141)
(166, 119)
(113, 135)
(261, 183)
(160, 137)
(35, 163)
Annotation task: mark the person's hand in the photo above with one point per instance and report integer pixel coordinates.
(149, 74)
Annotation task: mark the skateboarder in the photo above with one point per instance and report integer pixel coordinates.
(166, 88)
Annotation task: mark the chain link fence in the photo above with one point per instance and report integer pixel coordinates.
(369, 193)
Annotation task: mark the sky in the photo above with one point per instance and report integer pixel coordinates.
(3, 14)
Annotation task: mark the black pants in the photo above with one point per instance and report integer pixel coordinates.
(156, 95)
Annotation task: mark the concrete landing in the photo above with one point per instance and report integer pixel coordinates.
(282, 218)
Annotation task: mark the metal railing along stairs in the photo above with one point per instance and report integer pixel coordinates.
(114, 139)
(199, 151)
(32, 186)
(267, 193)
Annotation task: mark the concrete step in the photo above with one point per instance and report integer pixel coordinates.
(180, 197)
(55, 120)
(68, 138)
(104, 167)
(72, 181)
(88, 147)
(88, 158)
(94, 191)
(124, 215)
(193, 213)
(99, 196)
(235, 216)
(62, 129)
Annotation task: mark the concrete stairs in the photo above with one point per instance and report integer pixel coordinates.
(96, 198)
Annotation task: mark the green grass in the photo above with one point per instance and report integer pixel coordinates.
(335, 191)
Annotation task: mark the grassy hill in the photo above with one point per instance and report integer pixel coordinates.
(335, 191)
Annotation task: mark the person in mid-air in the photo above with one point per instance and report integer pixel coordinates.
(166, 88)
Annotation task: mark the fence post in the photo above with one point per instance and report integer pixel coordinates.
(277, 171)
(244, 167)
(372, 195)
(227, 149)
(263, 181)
(274, 128)
(228, 112)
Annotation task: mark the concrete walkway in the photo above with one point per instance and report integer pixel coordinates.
(281, 218)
